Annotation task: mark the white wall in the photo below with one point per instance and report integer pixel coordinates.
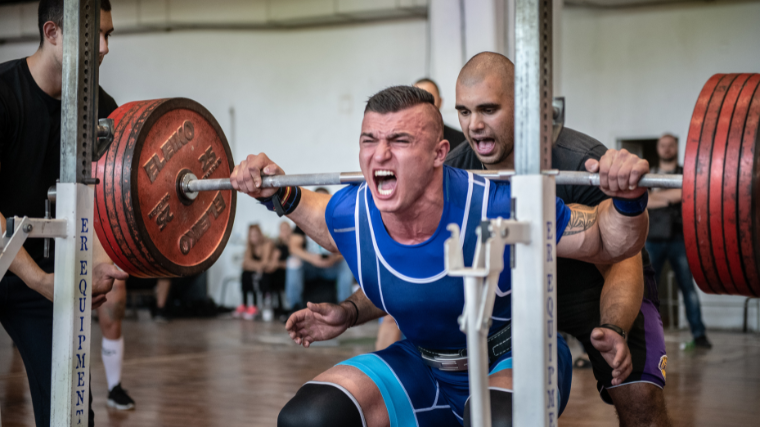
(298, 95)
(638, 72)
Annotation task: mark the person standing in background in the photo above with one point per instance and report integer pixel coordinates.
(257, 254)
(310, 261)
(450, 134)
(665, 239)
(273, 279)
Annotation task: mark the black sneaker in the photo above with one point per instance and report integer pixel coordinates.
(119, 399)
(702, 342)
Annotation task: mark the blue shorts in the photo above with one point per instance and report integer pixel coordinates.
(418, 395)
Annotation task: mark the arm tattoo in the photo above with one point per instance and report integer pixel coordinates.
(581, 219)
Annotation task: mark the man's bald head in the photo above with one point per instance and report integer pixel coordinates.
(485, 65)
(486, 103)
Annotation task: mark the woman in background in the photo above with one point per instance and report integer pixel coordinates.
(255, 260)
(273, 280)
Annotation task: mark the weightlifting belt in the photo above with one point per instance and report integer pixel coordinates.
(456, 360)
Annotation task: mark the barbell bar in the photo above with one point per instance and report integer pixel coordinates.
(193, 185)
(164, 206)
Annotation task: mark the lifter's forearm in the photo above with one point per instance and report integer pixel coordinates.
(366, 310)
(621, 236)
(622, 293)
(602, 235)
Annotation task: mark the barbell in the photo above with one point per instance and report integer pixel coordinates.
(164, 207)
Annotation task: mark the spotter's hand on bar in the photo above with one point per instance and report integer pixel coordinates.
(619, 173)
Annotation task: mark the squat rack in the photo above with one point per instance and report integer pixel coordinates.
(74, 198)
(69, 400)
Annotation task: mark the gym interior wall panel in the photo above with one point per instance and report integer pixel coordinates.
(10, 21)
(358, 6)
(153, 12)
(125, 13)
(638, 71)
(29, 19)
(446, 53)
(485, 26)
(231, 12)
(414, 3)
(300, 9)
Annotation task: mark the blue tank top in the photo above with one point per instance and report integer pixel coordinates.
(409, 282)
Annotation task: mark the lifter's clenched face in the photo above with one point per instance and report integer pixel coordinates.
(486, 114)
(399, 154)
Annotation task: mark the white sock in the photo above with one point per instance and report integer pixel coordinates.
(113, 356)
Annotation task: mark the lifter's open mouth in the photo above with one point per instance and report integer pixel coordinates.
(385, 181)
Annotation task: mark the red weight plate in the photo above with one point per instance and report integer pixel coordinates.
(731, 184)
(702, 186)
(101, 170)
(117, 229)
(748, 186)
(131, 240)
(689, 181)
(717, 171)
(124, 193)
(185, 238)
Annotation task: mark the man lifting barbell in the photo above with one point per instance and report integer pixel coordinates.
(393, 241)
(587, 297)
(162, 208)
(30, 141)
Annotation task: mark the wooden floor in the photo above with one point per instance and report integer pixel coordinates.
(226, 372)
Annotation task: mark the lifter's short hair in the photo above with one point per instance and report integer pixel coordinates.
(52, 10)
(397, 98)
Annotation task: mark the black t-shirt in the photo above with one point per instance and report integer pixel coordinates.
(455, 137)
(570, 152)
(666, 223)
(30, 147)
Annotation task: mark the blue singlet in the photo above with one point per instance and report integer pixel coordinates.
(409, 282)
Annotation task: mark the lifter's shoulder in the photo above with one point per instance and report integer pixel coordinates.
(342, 206)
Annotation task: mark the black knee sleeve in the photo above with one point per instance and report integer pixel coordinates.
(321, 405)
(501, 409)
